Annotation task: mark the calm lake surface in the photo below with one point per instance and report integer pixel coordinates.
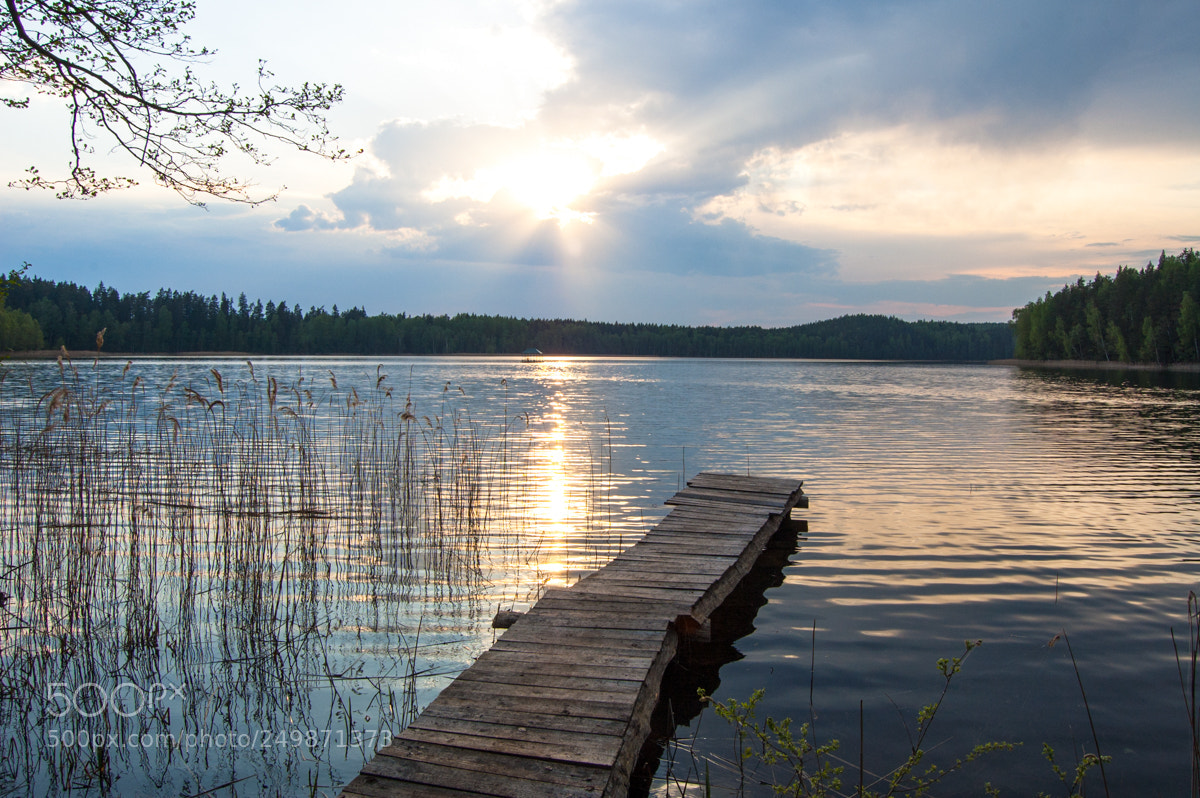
(948, 502)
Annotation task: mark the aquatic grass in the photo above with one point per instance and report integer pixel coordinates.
(1088, 760)
(235, 556)
(1187, 684)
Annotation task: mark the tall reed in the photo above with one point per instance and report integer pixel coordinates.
(238, 555)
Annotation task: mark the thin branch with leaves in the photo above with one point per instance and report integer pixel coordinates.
(126, 71)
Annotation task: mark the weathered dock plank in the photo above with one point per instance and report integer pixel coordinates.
(528, 719)
(782, 487)
(561, 703)
(660, 595)
(532, 631)
(415, 764)
(536, 704)
(492, 661)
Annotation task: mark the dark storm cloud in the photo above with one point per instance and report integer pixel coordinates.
(723, 81)
(794, 71)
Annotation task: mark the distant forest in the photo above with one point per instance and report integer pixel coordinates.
(1147, 315)
(173, 322)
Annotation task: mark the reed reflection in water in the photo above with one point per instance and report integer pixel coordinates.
(247, 582)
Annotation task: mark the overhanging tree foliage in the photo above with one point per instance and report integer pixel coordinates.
(125, 70)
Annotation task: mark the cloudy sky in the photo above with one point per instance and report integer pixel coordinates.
(688, 162)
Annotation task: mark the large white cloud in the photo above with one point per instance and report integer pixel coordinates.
(773, 133)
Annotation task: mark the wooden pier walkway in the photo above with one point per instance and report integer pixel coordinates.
(560, 705)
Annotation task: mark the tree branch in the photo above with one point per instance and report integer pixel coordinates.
(176, 126)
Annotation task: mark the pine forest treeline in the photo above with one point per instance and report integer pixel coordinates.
(1147, 315)
(175, 322)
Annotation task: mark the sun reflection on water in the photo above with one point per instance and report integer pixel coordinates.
(551, 512)
(575, 500)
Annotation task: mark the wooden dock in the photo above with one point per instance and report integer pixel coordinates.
(560, 705)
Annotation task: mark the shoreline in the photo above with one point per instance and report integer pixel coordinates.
(1097, 365)
(92, 354)
(1071, 365)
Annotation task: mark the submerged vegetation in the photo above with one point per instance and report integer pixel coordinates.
(171, 321)
(1149, 315)
(240, 578)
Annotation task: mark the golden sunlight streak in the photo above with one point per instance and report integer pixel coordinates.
(552, 511)
(559, 509)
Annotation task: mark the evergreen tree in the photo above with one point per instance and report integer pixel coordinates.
(170, 321)
(1149, 314)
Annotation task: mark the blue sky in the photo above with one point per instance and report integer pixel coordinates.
(687, 162)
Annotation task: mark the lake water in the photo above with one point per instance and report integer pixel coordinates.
(948, 502)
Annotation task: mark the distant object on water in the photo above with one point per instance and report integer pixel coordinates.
(532, 355)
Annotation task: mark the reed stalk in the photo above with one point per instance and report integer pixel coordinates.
(262, 550)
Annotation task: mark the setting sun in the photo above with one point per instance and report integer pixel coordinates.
(548, 181)
(550, 177)
(545, 181)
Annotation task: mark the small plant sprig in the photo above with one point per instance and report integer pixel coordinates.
(1187, 683)
(811, 769)
(903, 779)
(1073, 782)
